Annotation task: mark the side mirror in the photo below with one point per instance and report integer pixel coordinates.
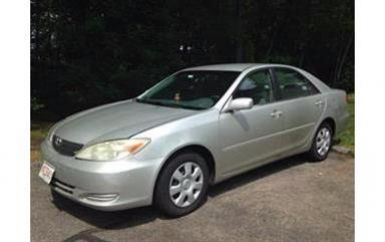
(239, 104)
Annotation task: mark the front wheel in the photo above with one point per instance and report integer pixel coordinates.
(182, 185)
(322, 143)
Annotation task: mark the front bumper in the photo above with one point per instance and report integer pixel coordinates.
(107, 186)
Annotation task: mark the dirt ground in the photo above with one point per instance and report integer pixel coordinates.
(289, 200)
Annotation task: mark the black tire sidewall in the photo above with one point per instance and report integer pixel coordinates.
(161, 196)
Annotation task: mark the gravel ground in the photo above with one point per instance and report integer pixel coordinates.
(290, 200)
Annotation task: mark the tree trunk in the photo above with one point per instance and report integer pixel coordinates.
(339, 57)
(272, 41)
(343, 58)
(239, 47)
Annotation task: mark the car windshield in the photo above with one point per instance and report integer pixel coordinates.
(190, 89)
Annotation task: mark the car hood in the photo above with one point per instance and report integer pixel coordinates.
(116, 121)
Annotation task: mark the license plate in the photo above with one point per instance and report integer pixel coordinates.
(46, 172)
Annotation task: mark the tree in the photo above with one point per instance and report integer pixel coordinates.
(88, 52)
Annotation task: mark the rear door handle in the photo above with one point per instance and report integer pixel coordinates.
(276, 114)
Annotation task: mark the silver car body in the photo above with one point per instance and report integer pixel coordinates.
(235, 142)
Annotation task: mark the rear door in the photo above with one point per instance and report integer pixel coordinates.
(249, 136)
(302, 107)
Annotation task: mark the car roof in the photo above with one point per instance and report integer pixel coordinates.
(225, 67)
(240, 67)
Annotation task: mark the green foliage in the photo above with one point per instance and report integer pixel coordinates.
(94, 25)
(346, 137)
(39, 131)
(84, 53)
(35, 104)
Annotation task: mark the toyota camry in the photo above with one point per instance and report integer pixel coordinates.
(195, 128)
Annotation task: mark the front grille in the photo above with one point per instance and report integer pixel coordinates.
(64, 187)
(65, 147)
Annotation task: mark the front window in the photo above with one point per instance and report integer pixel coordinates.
(190, 89)
(258, 86)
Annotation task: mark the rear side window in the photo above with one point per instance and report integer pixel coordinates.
(258, 86)
(292, 84)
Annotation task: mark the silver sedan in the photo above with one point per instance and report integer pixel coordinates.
(197, 127)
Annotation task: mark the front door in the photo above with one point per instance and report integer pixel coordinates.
(249, 136)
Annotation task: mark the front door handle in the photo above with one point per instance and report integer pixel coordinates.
(319, 103)
(276, 114)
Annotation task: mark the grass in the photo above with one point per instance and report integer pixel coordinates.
(39, 131)
(346, 137)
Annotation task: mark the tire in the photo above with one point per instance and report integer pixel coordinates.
(322, 143)
(182, 185)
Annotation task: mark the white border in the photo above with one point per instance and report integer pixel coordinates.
(370, 120)
(15, 118)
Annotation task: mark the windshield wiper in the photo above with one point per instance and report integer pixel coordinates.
(190, 107)
(149, 101)
(160, 103)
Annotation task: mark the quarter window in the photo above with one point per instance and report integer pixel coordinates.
(291, 84)
(257, 86)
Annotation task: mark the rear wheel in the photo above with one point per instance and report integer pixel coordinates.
(182, 185)
(322, 143)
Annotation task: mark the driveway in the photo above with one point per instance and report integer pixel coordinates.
(290, 200)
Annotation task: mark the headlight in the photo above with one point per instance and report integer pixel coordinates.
(112, 150)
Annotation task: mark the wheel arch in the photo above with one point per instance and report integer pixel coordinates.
(200, 149)
(331, 122)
